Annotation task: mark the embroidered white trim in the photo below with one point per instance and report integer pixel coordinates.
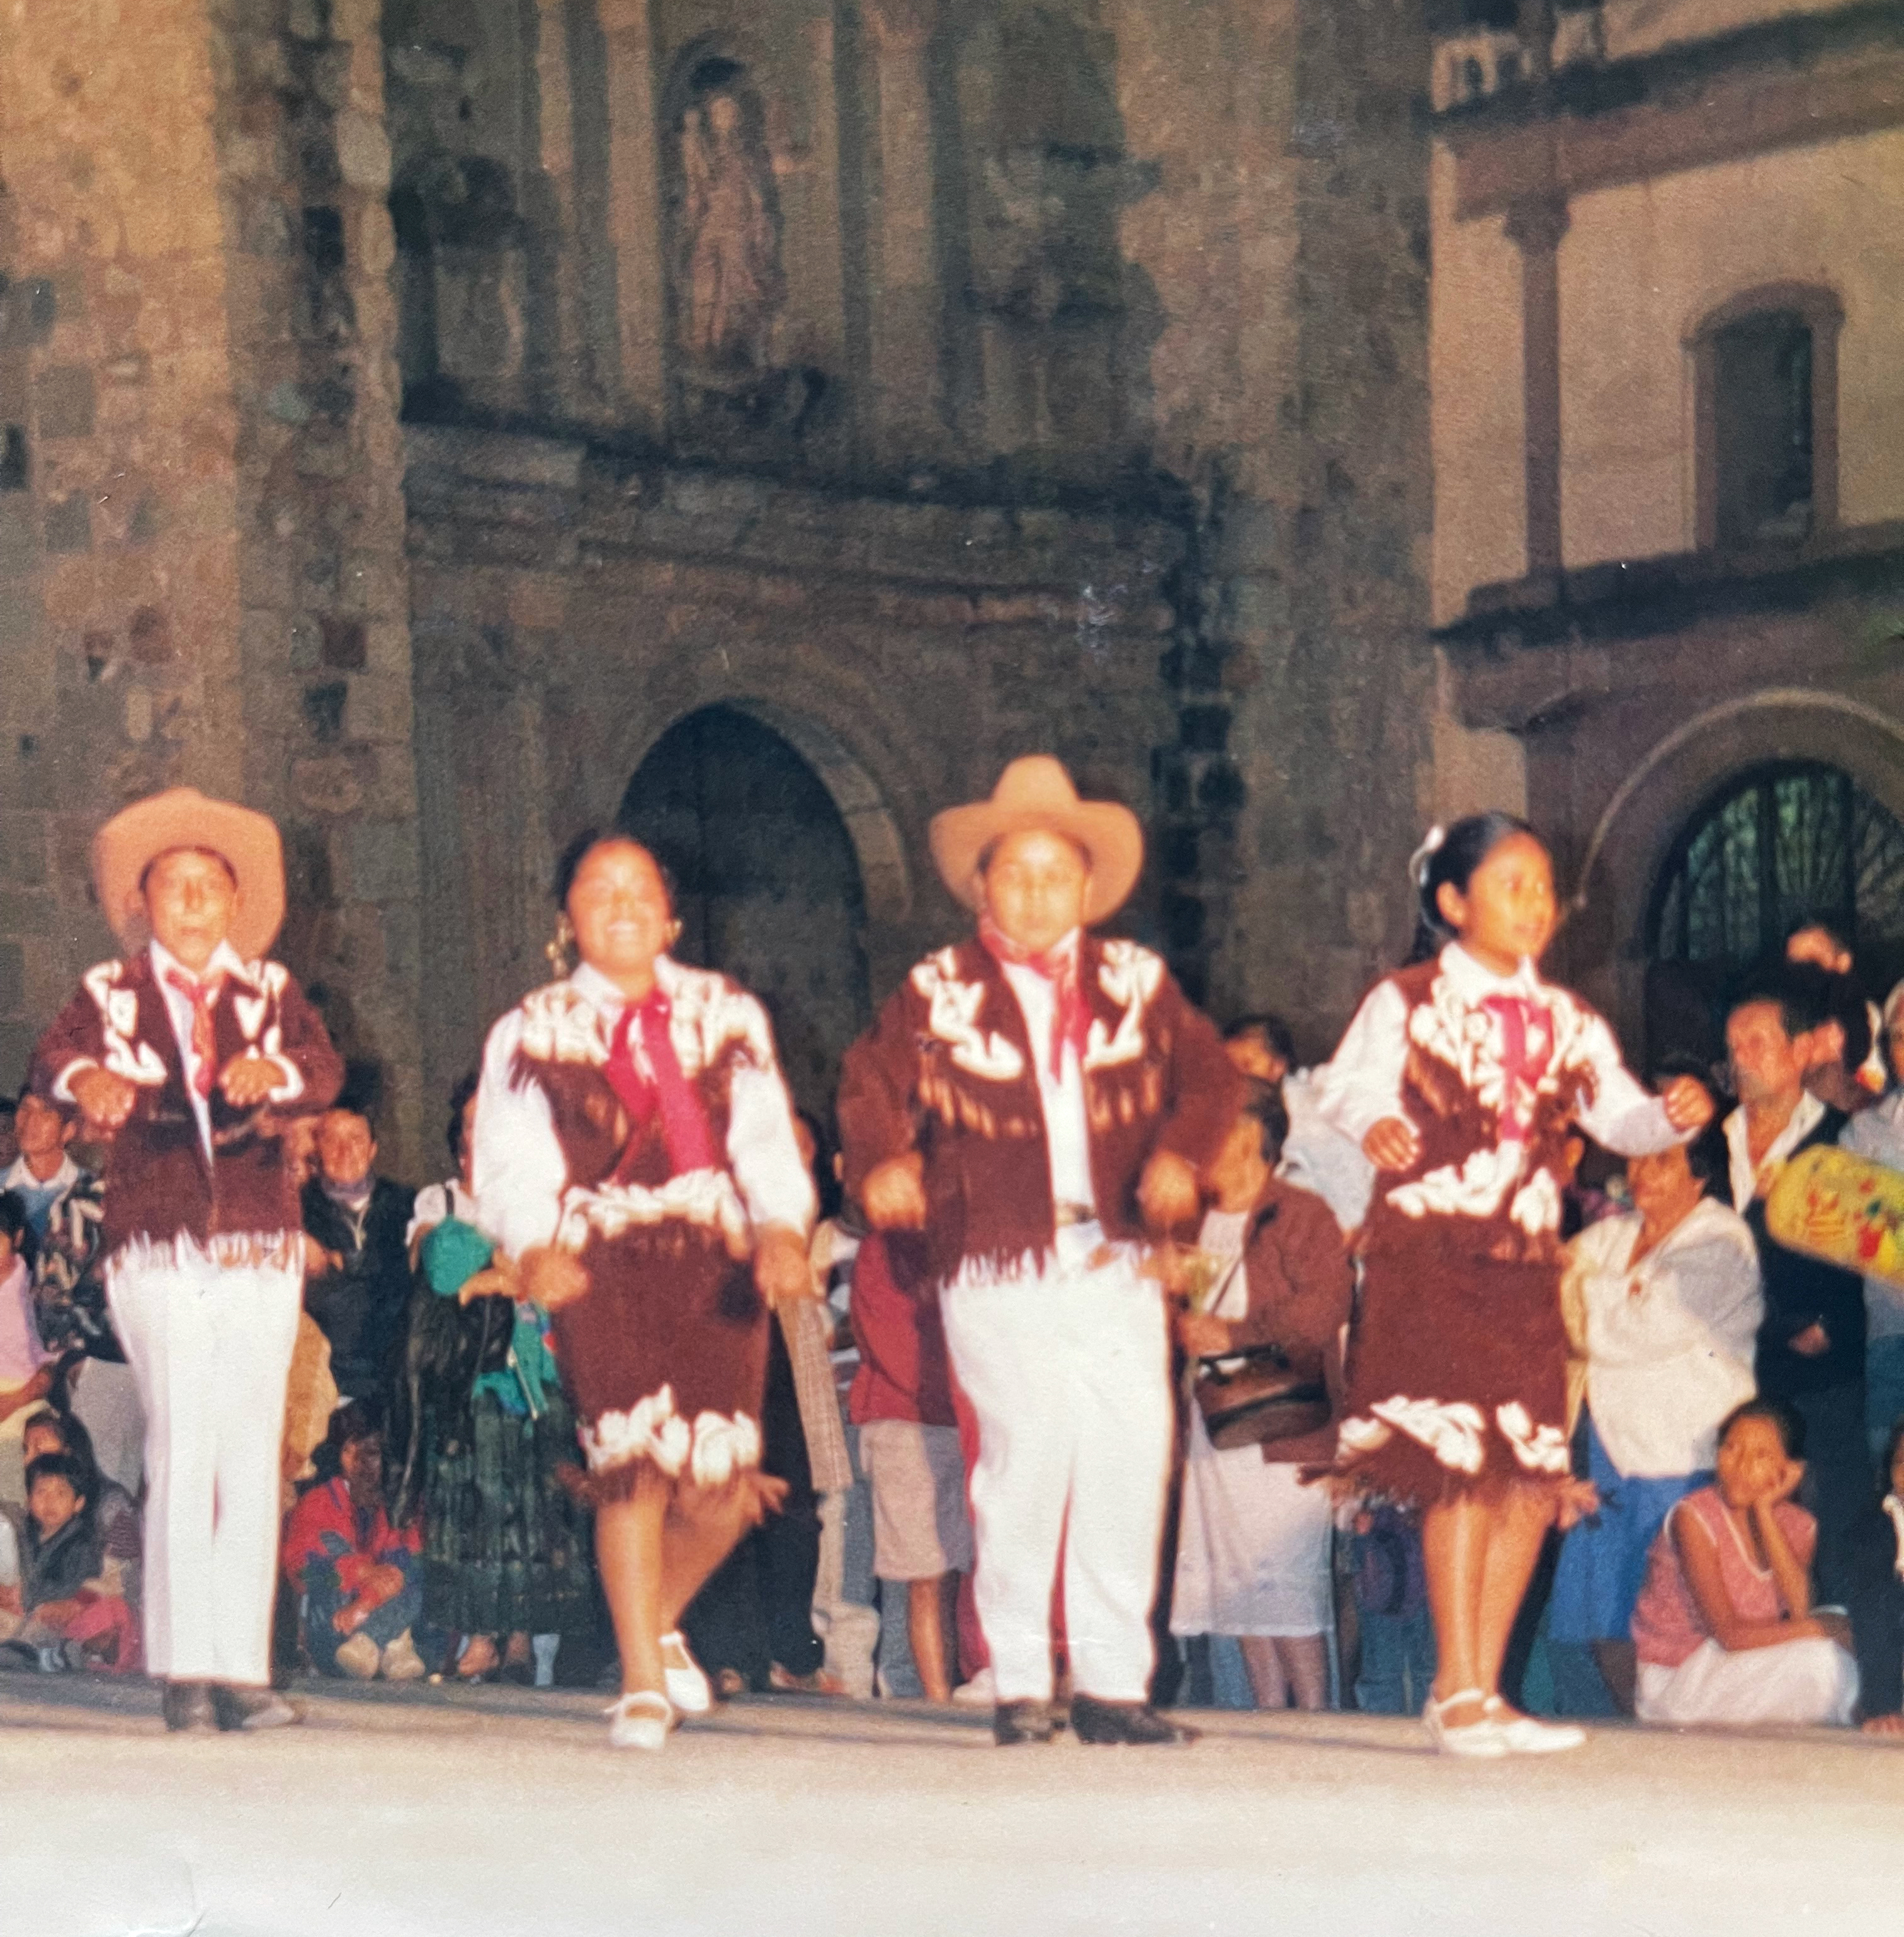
(1130, 975)
(1474, 1191)
(119, 1018)
(1472, 1040)
(704, 1197)
(706, 1012)
(713, 1449)
(561, 1025)
(249, 1011)
(1536, 1205)
(1541, 1449)
(953, 1017)
(1452, 1432)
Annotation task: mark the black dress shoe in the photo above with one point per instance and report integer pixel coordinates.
(252, 1709)
(1015, 1722)
(187, 1707)
(1133, 1722)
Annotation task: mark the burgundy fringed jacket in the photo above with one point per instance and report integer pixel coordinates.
(946, 1070)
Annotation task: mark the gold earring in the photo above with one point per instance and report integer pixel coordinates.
(557, 951)
(674, 933)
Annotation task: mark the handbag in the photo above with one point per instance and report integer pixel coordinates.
(1260, 1394)
(1256, 1394)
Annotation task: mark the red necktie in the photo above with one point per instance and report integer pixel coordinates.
(203, 996)
(1071, 1015)
(684, 1126)
(1527, 1049)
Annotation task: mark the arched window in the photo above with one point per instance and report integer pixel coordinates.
(1779, 845)
(1765, 369)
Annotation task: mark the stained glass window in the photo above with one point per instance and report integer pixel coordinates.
(1781, 846)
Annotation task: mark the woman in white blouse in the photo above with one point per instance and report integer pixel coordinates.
(1664, 1303)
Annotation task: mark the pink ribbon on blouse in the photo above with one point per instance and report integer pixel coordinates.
(1526, 1052)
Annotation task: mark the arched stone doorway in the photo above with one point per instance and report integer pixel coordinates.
(1779, 844)
(769, 885)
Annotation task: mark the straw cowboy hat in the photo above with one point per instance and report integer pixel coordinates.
(1036, 792)
(246, 842)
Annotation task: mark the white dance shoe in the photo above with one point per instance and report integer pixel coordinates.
(640, 1721)
(687, 1686)
(1525, 1735)
(1483, 1739)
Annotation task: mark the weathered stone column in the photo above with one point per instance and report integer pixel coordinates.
(575, 390)
(634, 206)
(1535, 225)
(906, 324)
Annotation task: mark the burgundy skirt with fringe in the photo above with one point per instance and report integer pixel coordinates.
(664, 1358)
(1457, 1375)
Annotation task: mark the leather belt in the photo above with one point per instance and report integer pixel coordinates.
(1069, 1214)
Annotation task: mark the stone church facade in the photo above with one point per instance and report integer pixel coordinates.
(448, 424)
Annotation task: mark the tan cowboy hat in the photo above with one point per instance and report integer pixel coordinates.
(246, 842)
(1036, 792)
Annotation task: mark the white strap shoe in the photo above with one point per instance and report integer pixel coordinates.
(1526, 1735)
(687, 1685)
(640, 1720)
(1479, 1739)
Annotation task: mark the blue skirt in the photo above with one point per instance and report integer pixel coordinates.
(1603, 1560)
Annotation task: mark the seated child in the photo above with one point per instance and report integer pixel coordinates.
(361, 1578)
(71, 1617)
(901, 1403)
(120, 1532)
(1724, 1628)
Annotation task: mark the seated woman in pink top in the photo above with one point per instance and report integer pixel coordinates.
(1725, 1630)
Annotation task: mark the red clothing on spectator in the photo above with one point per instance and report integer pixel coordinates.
(326, 1525)
(904, 1373)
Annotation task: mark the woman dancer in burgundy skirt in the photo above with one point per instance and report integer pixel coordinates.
(1458, 1078)
(635, 1154)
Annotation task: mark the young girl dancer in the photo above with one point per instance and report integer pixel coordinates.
(1460, 1077)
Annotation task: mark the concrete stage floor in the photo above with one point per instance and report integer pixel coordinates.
(415, 1812)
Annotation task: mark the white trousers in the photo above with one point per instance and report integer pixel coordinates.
(1068, 1373)
(209, 1346)
(1805, 1682)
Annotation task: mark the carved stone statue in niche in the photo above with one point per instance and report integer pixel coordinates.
(732, 288)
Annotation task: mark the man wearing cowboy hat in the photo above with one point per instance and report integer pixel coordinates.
(1031, 1100)
(186, 1055)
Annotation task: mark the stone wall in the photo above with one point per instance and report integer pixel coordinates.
(119, 541)
(566, 613)
(202, 569)
(325, 674)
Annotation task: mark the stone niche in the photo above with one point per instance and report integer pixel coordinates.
(458, 107)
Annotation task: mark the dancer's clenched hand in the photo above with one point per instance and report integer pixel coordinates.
(894, 1196)
(779, 1266)
(551, 1278)
(248, 1081)
(1688, 1103)
(105, 1100)
(1393, 1143)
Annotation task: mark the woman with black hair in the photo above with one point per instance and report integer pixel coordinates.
(1664, 1304)
(482, 1435)
(1252, 1543)
(635, 1157)
(1460, 1076)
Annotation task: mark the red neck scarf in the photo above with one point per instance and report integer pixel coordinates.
(1071, 1015)
(1527, 1049)
(204, 997)
(654, 1081)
